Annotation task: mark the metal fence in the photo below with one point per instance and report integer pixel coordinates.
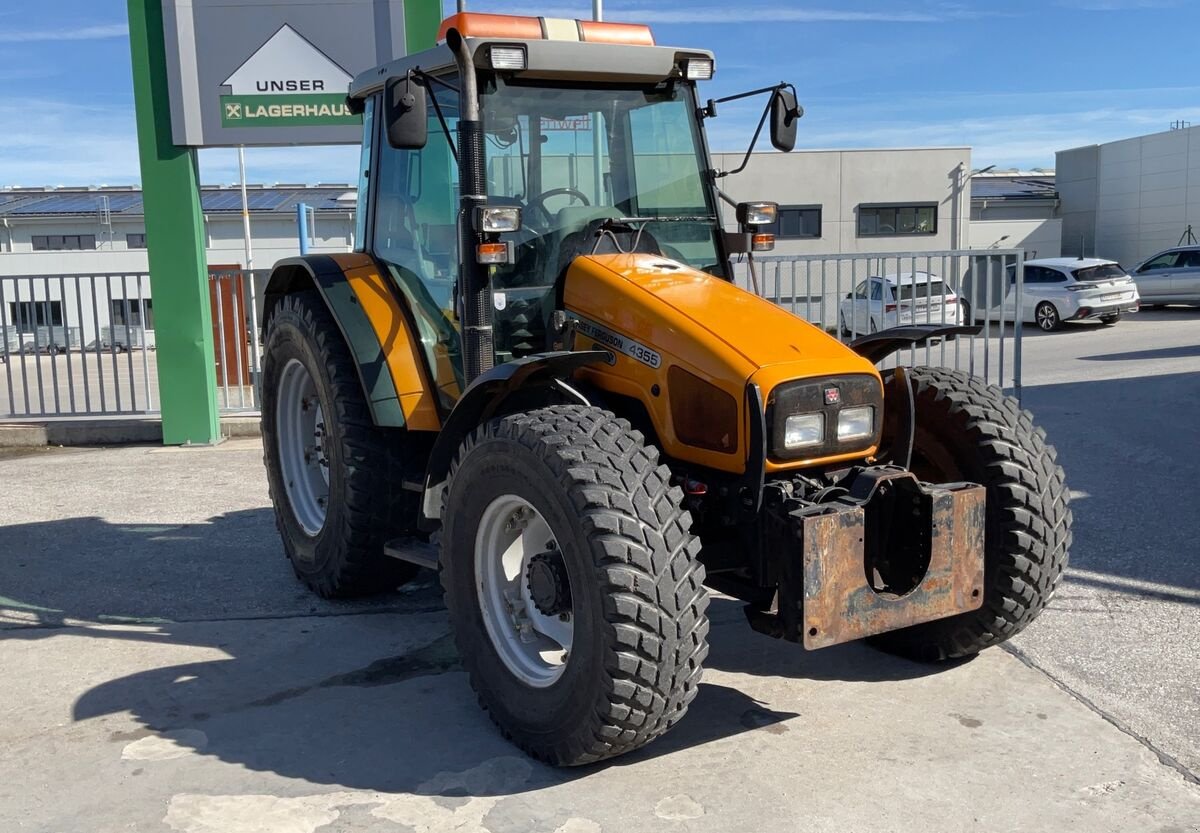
(79, 345)
(84, 345)
(984, 287)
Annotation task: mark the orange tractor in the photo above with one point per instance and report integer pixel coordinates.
(537, 376)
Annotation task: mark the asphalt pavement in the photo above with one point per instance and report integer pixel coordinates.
(166, 672)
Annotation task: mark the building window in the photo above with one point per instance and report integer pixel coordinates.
(63, 242)
(893, 220)
(797, 222)
(133, 313)
(28, 315)
(135, 241)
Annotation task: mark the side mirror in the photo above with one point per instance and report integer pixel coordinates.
(784, 115)
(404, 114)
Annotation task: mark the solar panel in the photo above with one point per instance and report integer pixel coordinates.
(267, 200)
(220, 201)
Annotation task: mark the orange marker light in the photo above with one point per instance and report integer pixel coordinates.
(492, 253)
(514, 27)
(763, 243)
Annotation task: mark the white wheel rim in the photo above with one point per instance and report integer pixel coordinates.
(533, 646)
(303, 456)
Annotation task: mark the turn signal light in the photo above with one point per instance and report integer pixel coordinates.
(494, 253)
(763, 243)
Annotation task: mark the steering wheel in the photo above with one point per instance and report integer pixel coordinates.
(539, 201)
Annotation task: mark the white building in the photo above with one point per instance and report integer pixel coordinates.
(99, 233)
(831, 202)
(859, 201)
(1016, 210)
(1129, 199)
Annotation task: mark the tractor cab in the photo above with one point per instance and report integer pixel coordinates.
(585, 138)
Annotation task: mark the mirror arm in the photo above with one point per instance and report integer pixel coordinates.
(711, 109)
(753, 141)
(437, 108)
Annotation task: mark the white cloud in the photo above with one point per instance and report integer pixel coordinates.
(101, 32)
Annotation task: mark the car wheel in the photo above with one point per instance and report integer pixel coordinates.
(1046, 316)
(966, 312)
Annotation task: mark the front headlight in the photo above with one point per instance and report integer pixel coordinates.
(856, 423)
(823, 416)
(497, 219)
(803, 430)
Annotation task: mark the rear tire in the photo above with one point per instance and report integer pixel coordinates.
(333, 540)
(967, 430)
(629, 583)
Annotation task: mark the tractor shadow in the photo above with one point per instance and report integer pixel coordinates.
(363, 695)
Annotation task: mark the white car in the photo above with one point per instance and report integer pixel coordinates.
(909, 298)
(1067, 289)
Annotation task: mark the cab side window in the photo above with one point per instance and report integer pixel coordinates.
(876, 291)
(414, 234)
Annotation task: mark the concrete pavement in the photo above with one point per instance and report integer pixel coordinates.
(165, 671)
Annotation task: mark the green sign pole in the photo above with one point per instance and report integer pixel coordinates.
(421, 21)
(187, 382)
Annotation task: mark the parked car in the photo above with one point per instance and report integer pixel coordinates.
(1170, 277)
(909, 298)
(1066, 289)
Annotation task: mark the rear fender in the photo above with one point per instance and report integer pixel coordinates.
(375, 326)
(493, 394)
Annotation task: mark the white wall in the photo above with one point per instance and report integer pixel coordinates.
(1038, 237)
(840, 180)
(1128, 200)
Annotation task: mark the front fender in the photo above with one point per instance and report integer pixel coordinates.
(483, 399)
(878, 346)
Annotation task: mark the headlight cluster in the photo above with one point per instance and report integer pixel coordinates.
(828, 415)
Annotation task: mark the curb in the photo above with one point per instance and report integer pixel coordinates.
(87, 432)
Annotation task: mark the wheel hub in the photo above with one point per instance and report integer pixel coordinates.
(549, 587)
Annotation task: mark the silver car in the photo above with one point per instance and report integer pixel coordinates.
(1170, 277)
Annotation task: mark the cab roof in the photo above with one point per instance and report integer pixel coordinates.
(555, 49)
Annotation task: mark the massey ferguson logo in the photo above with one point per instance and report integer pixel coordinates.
(833, 396)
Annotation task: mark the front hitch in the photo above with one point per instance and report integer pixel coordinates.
(888, 552)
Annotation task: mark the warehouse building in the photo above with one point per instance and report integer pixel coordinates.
(831, 202)
(1129, 199)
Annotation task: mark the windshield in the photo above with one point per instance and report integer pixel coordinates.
(572, 157)
(1099, 273)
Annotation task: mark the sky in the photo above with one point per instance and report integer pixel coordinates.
(1016, 81)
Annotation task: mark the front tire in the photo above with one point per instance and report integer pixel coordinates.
(334, 478)
(601, 648)
(967, 430)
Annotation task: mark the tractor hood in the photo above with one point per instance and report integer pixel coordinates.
(657, 301)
